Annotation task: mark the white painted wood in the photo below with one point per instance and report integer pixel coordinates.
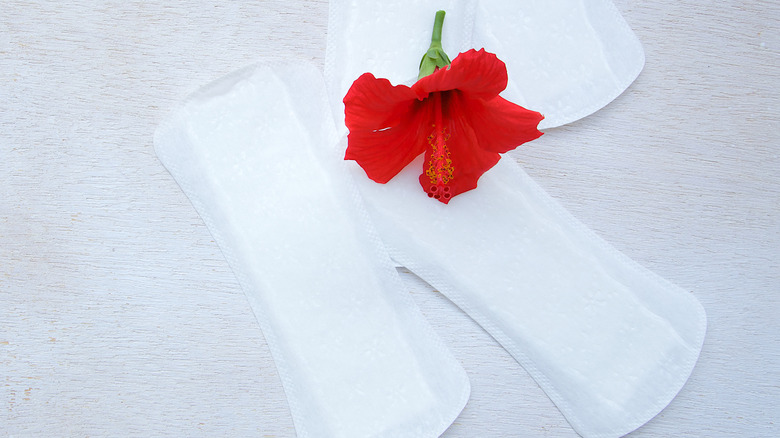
(119, 316)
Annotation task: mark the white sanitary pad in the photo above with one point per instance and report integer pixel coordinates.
(610, 342)
(356, 357)
(565, 58)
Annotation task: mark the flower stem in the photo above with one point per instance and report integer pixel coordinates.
(434, 58)
(438, 24)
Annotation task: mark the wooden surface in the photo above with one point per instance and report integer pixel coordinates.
(119, 316)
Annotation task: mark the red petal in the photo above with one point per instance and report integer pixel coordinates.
(468, 161)
(500, 125)
(385, 125)
(478, 74)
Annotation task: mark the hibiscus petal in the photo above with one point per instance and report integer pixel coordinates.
(386, 126)
(478, 74)
(456, 153)
(500, 125)
(371, 103)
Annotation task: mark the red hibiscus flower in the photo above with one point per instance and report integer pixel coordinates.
(454, 115)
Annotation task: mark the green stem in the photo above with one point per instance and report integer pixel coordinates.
(438, 24)
(434, 58)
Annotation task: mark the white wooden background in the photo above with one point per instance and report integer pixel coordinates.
(119, 316)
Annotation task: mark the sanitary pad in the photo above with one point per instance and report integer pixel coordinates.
(356, 357)
(565, 58)
(609, 342)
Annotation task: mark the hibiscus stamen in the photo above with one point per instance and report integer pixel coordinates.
(440, 170)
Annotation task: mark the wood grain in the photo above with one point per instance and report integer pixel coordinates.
(119, 316)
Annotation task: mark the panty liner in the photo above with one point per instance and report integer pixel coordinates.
(565, 58)
(355, 355)
(608, 341)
